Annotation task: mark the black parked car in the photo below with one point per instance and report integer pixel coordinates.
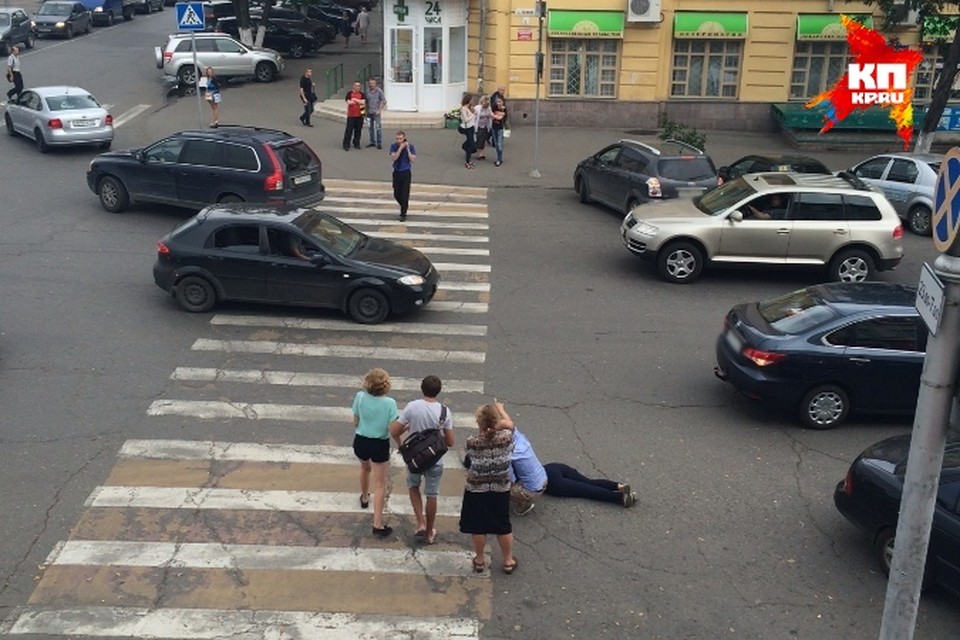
(61, 18)
(760, 164)
(289, 255)
(197, 168)
(293, 42)
(293, 19)
(629, 173)
(827, 350)
(869, 497)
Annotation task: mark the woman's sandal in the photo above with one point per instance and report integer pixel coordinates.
(510, 568)
(479, 567)
(364, 503)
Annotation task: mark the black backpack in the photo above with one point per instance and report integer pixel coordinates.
(423, 449)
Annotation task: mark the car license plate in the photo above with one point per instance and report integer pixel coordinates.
(733, 341)
(83, 124)
(302, 179)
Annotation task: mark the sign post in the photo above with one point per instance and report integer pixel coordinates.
(541, 12)
(190, 18)
(939, 306)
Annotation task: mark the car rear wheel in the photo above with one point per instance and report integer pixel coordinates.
(7, 121)
(852, 265)
(824, 407)
(187, 75)
(230, 199)
(680, 262)
(113, 195)
(297, 50)
(583, 189)
(264, 72)
(368, 306)
(918, 219)
(883, 550)
(41, 142)
(196, 294)
(106, 145)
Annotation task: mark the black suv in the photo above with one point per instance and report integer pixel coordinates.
(196, 168)
(627, 173)
(293, 42)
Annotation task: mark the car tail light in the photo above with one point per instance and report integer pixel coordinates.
(274, 181)
(55, 123)
(163, 249)
(898, 232)
(848, 482)
(653, 188)
(109, 120)
(763, 358)
(167, 56)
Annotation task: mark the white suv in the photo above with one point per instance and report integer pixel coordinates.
(228, 57)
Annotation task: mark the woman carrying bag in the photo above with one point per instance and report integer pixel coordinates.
(211, 92)
(468, 127)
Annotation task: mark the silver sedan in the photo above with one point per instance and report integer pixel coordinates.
(59, 116)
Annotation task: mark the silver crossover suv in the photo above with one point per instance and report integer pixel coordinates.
(227, 56)
(908, 180)
(771, 219)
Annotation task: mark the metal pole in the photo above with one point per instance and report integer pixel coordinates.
(922, 478)
(538, 70)
(196, 79)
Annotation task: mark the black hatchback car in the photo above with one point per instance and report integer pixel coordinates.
(292, 42)
(827, 350)
(869, 497)
(628, 173)
(290, 255)
(192, 169)
(763, 164)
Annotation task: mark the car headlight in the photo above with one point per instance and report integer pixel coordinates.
(411, 281)
(61, 24)
(645, 229)
(98, 10)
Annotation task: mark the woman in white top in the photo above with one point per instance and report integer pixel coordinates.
(468, 127)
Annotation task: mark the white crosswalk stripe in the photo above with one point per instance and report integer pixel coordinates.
(190, 520)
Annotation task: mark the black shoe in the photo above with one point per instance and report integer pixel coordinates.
(379, 147)
(382, 533)
(371, 145)
(346, 148)
(308, 124)
(356, 146)
(403, 217)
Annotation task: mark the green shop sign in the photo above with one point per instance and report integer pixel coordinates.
(939, 27)
(585, 24)
(826, 26)
(702, 25)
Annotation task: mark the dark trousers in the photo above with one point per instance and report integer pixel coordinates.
(307, 112)
(17, 86)
(401, 189)
(564, 481)
(469, 145)
(354, 127)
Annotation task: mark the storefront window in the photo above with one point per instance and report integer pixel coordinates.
(583, 68)
(928, 72)
(457, 64)
(816, 67)
(433, 55)
(401, 51)
(706, 68)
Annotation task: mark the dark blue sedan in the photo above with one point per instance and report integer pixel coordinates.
(827, 350)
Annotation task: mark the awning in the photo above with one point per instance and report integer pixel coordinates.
(826, 26)
(702, 24)
(585, 24)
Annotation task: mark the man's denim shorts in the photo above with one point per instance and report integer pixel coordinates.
(432, 475)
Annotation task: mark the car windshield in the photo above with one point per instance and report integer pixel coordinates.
(796, 312)
(686, 168)
(72, 102)
(54, 9)
(330, 232)
(723, 197)
(4, 20)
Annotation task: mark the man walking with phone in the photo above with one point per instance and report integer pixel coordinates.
(403, 154)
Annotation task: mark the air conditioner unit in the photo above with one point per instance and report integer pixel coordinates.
(643, 11)
(904, 16)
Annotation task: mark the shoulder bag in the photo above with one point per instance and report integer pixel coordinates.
(423, 449)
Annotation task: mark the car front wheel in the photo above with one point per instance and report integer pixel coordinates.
(264, 72)
(69, 32)
(824, 407)
(196, 294)
(680, 262)
(584, 190)
(113, 195)
(918, 219)
(9, 123)
(296, 51)
(368, 306)
(852, 265)
(30, 41)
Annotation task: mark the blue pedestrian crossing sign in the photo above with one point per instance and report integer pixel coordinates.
(190, 16)
(946, 202)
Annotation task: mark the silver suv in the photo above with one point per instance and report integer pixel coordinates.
(771, 219)
(908, 180)
(228, 57)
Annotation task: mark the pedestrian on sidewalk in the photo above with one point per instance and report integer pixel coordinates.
(497, 127)
(403, 154)
(355, 106)
(373, 411)
(420, 415)
(376, 103)
(308, 96)
(211, 92)
(486, 498)
(13, 73)
(363, 24)
(484, 127)
(468, 127)
(346, 28)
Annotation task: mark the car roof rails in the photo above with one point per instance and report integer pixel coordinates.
(647, 147)
(687, 145)
(853, 180)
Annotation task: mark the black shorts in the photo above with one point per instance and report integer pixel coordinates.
(373, 449)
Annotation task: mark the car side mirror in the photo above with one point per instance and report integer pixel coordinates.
(736, 216)
(141, 156)
(318, 259)
(724, 172)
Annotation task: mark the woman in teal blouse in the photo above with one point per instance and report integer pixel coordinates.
(373, 411)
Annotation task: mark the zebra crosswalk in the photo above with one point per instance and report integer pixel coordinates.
(200, 538)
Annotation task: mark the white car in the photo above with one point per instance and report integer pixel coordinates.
(228, 57)
(59, 116)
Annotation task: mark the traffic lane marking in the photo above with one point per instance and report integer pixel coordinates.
(129, 115)
(337, 325)
(338, 351)
(306, 379)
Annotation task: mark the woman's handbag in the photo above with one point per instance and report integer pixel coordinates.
(423, 449)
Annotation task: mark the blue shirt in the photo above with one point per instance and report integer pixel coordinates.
(402, 163)
(375, 414)
(526, 468)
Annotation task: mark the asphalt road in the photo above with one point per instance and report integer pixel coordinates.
(603, 365)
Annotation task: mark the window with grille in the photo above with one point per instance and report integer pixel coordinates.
(816, 67)
(583, 68)
(706, 68)
(928, 72)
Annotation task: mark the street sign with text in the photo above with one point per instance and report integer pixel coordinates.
(929, 302)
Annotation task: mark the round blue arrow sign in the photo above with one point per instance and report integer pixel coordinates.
(946, 203)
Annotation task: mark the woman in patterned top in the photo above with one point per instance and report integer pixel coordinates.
(486, 498)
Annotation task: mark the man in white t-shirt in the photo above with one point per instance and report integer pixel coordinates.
(420, 415)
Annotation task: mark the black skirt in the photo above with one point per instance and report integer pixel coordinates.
(487, 512)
